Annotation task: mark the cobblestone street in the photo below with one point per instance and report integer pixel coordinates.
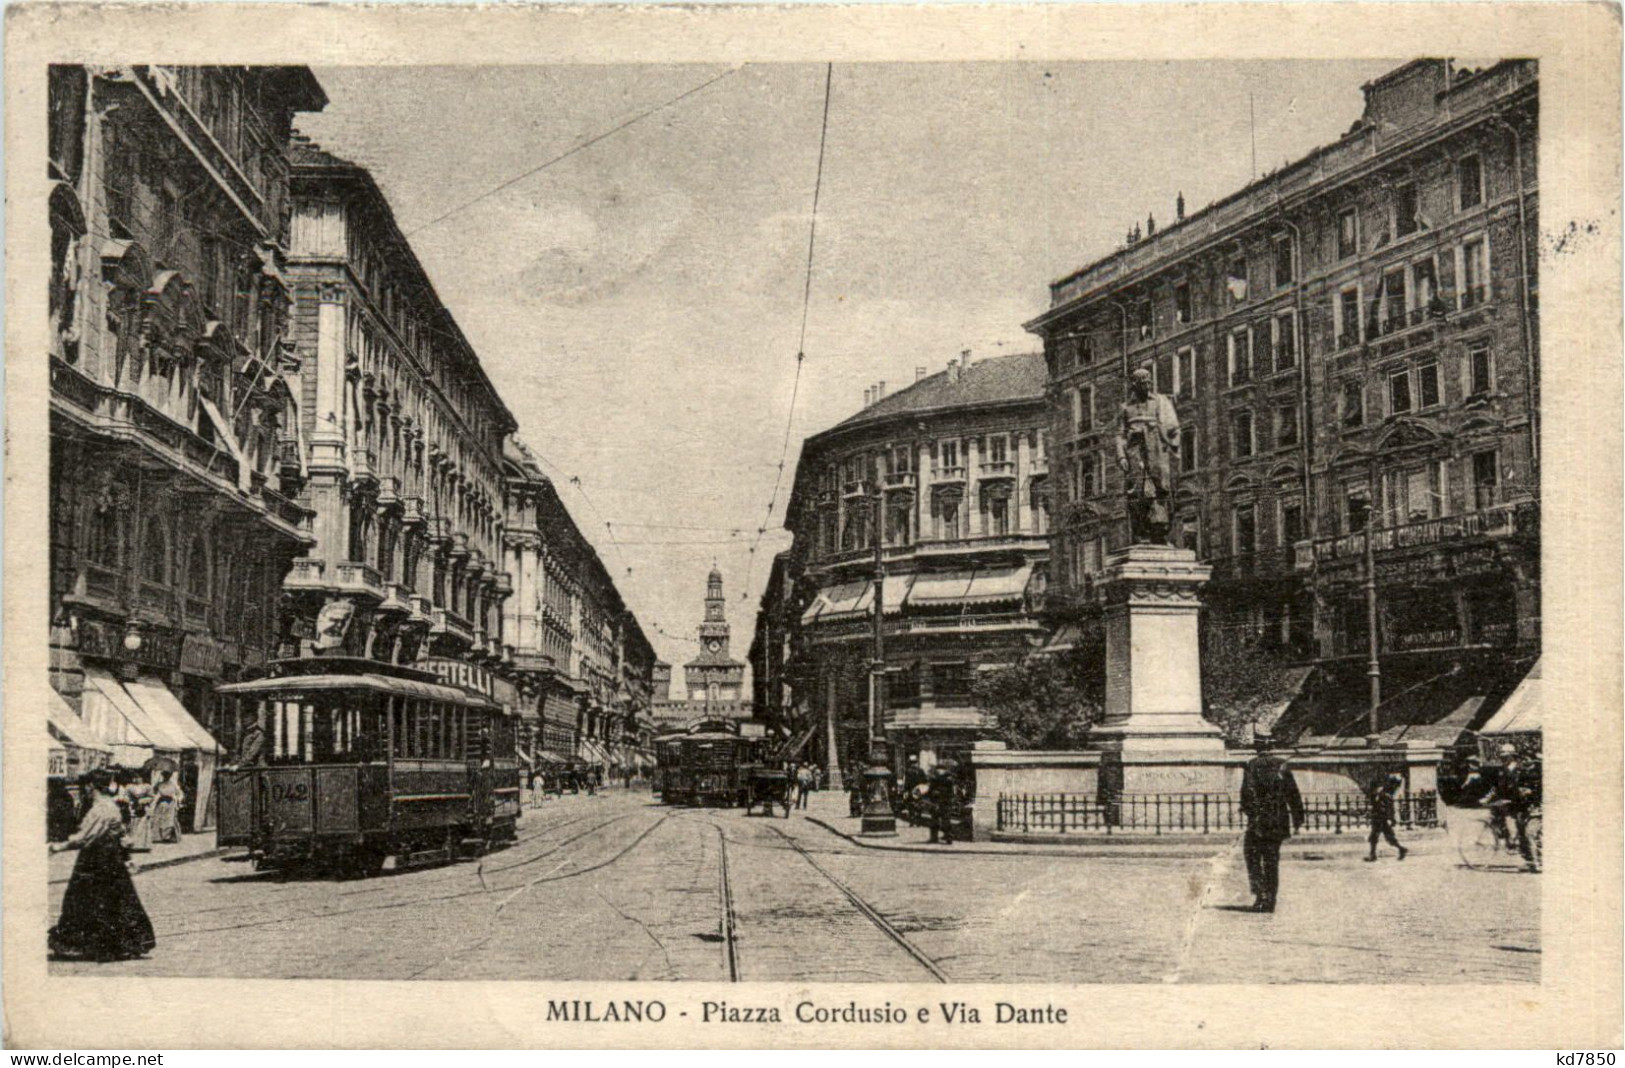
(618, 887)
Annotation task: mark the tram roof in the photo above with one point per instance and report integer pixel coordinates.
(425, 691)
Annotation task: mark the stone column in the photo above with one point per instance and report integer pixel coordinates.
(1019, 516)
(973, 496)
(1153, 727)
(922, 500)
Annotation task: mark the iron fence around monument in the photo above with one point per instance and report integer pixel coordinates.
(1192, 813)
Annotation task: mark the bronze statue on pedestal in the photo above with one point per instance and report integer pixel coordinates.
(1148, 454)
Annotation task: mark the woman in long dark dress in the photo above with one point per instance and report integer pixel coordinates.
(102, 918)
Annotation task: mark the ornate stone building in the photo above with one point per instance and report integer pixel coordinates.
(173, 483)
(713, 680)
(960, 461)
(400, 440)
(1351, 342)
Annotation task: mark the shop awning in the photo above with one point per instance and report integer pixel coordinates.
(67, 727)
(129, 728)
(992, 585)
(944, 587)
(845, 599)
(551, 756)
(159, 703)
(1521, 712)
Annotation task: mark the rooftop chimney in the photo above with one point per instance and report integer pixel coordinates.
(919, 373)
(964, 358)
(866, 394)
(880, 390)
(953, 371)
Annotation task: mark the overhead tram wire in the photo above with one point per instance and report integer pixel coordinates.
(801, 343)
(572, 151)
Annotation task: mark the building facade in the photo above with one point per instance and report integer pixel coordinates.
(958, 464)
(1352, 344)
(400, 441)
(713, 680)
(173, 516)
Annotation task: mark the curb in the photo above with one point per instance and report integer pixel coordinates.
(1310, 850)
(206, 854)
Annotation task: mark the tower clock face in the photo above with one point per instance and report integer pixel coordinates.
(713, 645)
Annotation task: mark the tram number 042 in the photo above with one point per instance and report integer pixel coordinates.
(296, 792)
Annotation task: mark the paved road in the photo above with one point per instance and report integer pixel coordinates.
(615, 887)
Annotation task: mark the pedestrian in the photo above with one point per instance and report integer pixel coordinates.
(804, 785)
(1383, 803)
(943, 799)
(1513, 796)
(166, 809)
(102, 918)
(592, 781)
(854, 794)
(1274, 809)
(138, 804)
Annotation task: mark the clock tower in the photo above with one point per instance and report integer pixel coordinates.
(714, 677)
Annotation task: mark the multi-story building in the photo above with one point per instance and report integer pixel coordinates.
(172, 514)
(959, 462)
(582, 663)
(1352, 345)
(401, 438)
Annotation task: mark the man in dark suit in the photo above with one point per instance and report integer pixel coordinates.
(1274, 809)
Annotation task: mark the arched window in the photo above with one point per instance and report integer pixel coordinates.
(104, 534)
(155, 553)
(197, 567)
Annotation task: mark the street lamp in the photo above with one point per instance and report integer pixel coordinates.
(1367, 514)
(878, 818)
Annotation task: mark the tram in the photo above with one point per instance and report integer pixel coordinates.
(708, 763)
(348, 763)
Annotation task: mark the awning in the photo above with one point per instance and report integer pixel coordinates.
(992, 585)
(157, 700)
(551, 756)
(1521, 712)
(129, 728)
(846, 599)
(427, 691)
(229, 439)
(67, 727)
(945, 587)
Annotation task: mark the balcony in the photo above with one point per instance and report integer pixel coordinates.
(196, 614)
(412, 511)
(459, 542)
(503, 584)
(991, 469)
(856, 488)
(422, 609)
(397, 599)
(350, 576)
(1500, 521)
(448, 624)
(361, 469)
(948, 474)
(389, 492)
(898, 480)
(306, 574)
(1040, 465)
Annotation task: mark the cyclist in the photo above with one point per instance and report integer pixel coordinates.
(1514, 794)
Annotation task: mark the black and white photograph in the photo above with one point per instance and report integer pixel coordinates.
(1006, 524)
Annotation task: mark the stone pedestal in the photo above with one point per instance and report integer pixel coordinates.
(1153, 738)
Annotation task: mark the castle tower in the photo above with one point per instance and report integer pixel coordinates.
(713, 676)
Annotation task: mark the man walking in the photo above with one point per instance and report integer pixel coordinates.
(944, 801)
(1274, 809)
(804, 785)
(1383, 803)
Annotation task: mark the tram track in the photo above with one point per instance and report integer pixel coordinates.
(485, 889)
(730, 923)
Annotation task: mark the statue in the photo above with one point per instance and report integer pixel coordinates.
(1148, 454)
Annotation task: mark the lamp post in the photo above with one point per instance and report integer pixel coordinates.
(1373, 667)
(878, 818)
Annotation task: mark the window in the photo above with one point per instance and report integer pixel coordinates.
(1470, 182)
(1286, 342)
(1474, 273)
(1150, 368)
(104, 535)
(1086, 348)
(1394, 300)
(1236, 280)
(1185, 372)
(1244, 529)
(950, 455)
(947, 509)
(1291, 522)
(1399, 392)
(1284, 275)
(899, 519)
(1187, 450)
(998, 449)
(951, 681)
(902, 459)
(1428, 384)
(1416, 494)
(1182, 302)
(1089, 560)
(1241, 434)
(1142, 316)
(1091, 477)
(1424, 291)
(197, 568)
(998, 516)
(1083, 409)
(1486, 480)
(1347, 312)
(1286, 426)
(1356, 507)
(1407, 218)
(155, 554)
(1190, 533)
(1348, 232)
(1241, 356)
(1480, 373)
(1353, 403)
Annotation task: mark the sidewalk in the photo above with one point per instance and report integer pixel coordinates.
(191, 847)
(828, 809)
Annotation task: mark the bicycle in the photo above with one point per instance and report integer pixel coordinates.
(1493, 843)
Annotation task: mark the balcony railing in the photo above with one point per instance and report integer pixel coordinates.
(1040, 465)
(856, 488)
(954, 473)
(306, 573)
(355, 577)
(1499, 521)
(900, 480)
(451, 625)
(998, 469)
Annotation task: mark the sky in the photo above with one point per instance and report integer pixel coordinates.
(638, 304)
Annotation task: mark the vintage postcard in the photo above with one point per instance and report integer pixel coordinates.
(1066, 526)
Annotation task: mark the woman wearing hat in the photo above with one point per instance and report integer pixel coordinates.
(102, 918)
